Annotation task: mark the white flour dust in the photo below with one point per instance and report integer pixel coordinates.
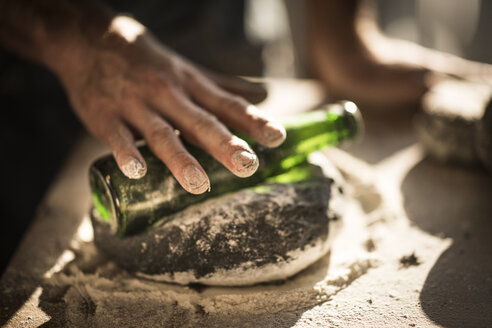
(96, 293)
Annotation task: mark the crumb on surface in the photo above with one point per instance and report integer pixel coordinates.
(409, 260)
(369, 245)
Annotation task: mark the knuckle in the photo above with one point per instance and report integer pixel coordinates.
(131, 109)
(258, 122)
(103, 128)
(159, 132)
(180, 158)
(232, 103)
(118, 136)
(227, 144)
(205, 122)
(159, 86)
(230, 143)
(255, 119)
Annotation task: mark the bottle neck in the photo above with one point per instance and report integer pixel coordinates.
(310, 132)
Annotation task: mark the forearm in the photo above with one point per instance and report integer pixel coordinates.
(119, 79)
(52, 32)
(333, 24)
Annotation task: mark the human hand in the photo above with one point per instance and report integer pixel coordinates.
(124, 84)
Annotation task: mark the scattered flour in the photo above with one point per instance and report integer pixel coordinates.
(96, 293)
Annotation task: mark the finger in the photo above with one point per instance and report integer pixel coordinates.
(236, 112)
(253, 92)
(120, 139)
(206, 131)
(165, 144)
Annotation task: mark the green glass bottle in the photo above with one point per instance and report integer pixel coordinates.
(130, 206)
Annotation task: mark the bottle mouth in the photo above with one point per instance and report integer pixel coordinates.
(105, 209)
(354, 118)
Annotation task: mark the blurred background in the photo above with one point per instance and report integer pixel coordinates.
(458, 27)
(251, 37)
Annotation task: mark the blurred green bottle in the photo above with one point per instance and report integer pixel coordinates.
(130, 206)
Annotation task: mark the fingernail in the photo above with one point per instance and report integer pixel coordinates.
(134, 169)
(274, 134)
(245, 163)
(196, 180)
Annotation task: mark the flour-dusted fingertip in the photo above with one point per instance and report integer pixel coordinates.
(197, 182)
(134, 168)
(274, 134)
(245, 163)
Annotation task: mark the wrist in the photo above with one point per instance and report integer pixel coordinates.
(66, 44)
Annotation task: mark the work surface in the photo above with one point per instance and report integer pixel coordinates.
(403, 204)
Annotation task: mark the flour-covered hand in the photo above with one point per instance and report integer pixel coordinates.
(127, 82)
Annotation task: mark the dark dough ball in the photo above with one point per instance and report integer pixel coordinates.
(260, 234)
